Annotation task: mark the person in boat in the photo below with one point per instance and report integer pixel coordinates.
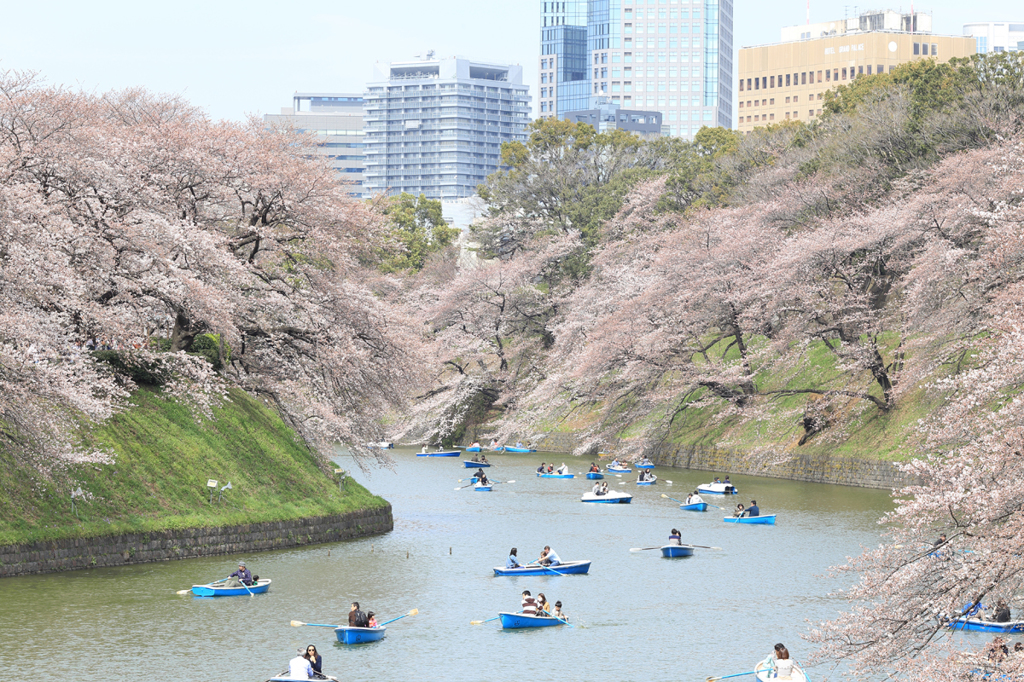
(543, 607)
(727, 481)
(551, 468)
(513, 559)
(563, 470)
(560, 615)
(371, 620)
(675, 538)
(540, 469)
(424, 450)
(529, 604)
(645, 461)
(782, 662)
(597, 488)
(739, 511)
(694, 498)
(482, 479)
(615, 463)
(356, 618)
(604, 488)
(519, 444)
(1001, 613)
(299, 667)
(494, 443)
(753, 510)
(316, 662)
(240, 577)
(548, 557)
(483, 459)
(594, 469)
(717, 480)
(940, 542)
(476, 458)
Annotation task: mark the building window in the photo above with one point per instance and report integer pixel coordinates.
(771, 117)
(787, 80)
(796, 98)
(772, 81)
(828, 75)
(756, 118)
(757, 83)
(917, 48)
(741, 105)
(935, 49)
(810, 113)
(771, 101)
(741, 85)
(880, 69)
(787, 100)
(748, 119)
(819, 76)
(787, 115)
(803, 78)
(844, 73)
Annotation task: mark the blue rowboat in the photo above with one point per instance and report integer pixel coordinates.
(482, 488)
(475, 465)
(619, 470)
(473, 448)
(512, 449)
(717, 489)
(443, 453)
(511, 621)
(676, 550)
(649, 482)
(643, 466)
(981, 625)
(698, 506)
(217, 589)
(595, 475)
(613, 497)
(768, 520)
(349, 635)
(568, 568)
(556, 475)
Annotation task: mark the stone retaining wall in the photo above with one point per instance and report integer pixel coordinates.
(861, 473)
(135, 548)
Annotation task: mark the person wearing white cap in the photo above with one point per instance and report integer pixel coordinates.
(242, 575)
(299, 667)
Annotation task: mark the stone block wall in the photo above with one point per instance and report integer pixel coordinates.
(135, 548)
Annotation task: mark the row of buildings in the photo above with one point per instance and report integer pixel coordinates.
(435, 126)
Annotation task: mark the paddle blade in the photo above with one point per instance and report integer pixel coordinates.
(476, 622)
(664, 495)
(413, 612)
(509, 481)
(182, 591)
(297, 623)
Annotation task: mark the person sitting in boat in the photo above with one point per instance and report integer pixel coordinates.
(645, 461)
(480, 476)
(483, 459)
(782, 662)
(371, 620)
(299, 667)
(513, 559)
(604, 488)
(551, 468)
(356, 618)
(481, 479)
(594, 469)
(615, 463)
(645, 475)
(563, 470)
(476, 458)
(1002, 612)
(560, 615)
(543, 607)
(519, 444)
(529, 604)
(540, 469)
(727, 481)
(674, 538)
(548, 557)
(717, 480)
(316, 662)
(240, 577)
(739, 511)
(494, 443)
(475, 444)
(752, 510)
(424, 450)
(694, 498)
(597, 488)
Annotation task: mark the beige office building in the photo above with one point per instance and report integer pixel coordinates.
(788, 81)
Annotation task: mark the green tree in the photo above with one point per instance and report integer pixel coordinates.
(418, 229)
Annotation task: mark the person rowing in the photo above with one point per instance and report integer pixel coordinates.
(739, 511)
(694, 498)
(558, 613)
(483, 459)
(240, 577)
(675, 538)
(753, 509)
(594, 469)
(563, 470)
(548, 557)
(529, 604)
(481, 478)
(476, 458)
(540, 469)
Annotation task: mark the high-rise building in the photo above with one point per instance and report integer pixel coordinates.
(606, 116)
(667, 56)
(997, 36)
(336, 120)
(436, 126)
(788, 80)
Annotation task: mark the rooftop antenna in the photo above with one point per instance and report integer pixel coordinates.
(808, 12)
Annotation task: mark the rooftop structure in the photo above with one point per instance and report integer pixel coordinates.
(994, 36)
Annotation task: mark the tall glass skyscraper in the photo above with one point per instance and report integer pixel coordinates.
(436, 126)
(669, 56)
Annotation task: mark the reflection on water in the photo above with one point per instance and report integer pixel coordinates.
(637, 615)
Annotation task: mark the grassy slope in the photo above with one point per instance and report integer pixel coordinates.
(158, 480)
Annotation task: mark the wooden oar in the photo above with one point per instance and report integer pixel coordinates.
(681, 502)
(563, 620)
(464, 486)
(705, 547)
(547, 568)
(190, 589)
(298, 623)
(723, 677)
(481, 622)
(411, 613)
(642, 549)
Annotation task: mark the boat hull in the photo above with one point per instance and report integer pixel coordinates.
(475, 465)
(594, 475)
(651, 482)
(213, 590)
(482, 488)
(568, 568)
(696, 507)
(510, 449)
(613, 470)
(718, 489)
(473, 448)
(513, 621)
(768, 520)
(613, 497)
(350, 635)
(980, 625)
(673, 551)
(556, 475)
(764, 671)
(448, 453)
(644, 466)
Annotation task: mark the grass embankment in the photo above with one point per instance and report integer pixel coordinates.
(857, 428)
(158, 479)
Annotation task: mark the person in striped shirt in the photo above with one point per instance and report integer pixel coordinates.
(529, 604)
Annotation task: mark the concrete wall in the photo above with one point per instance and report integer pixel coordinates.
(135, 548)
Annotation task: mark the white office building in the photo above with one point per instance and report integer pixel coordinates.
(436, 126)
(997, 36)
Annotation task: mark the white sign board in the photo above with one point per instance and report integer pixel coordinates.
(211, 483)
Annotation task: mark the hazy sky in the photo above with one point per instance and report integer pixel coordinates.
(236, 58)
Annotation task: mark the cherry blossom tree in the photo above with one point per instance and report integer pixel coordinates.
(128, 218)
